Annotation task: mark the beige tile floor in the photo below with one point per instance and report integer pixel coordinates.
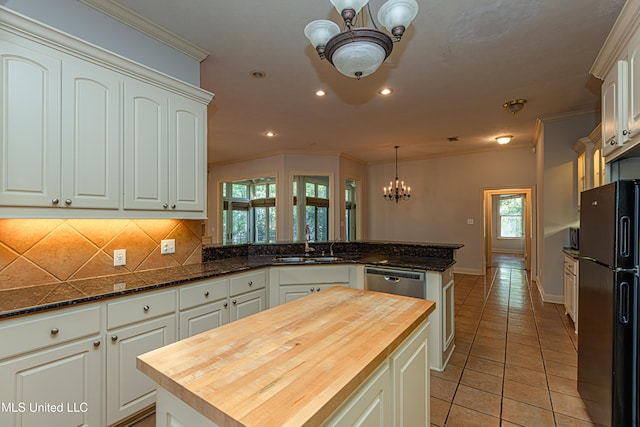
(515, 359)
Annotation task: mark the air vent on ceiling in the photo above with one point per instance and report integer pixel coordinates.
(452, 139)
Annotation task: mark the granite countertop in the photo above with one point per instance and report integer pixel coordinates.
(293, 364)
(15, 302)
(573, 253)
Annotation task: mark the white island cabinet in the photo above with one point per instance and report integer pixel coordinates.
(332, 358)
(440, 288)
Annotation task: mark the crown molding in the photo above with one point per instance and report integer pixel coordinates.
(616, 43)
(138, 22)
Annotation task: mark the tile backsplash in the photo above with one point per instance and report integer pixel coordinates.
(41, 251)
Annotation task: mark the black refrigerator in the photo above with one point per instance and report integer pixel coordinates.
(608, 303)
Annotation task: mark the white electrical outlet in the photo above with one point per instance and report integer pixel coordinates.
(470, 221)
(168, 246)
(119, 257)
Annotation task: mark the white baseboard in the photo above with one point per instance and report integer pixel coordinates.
(470, 271)
(551, 298)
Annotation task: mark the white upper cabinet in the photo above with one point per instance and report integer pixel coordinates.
(614, 111)
(86, 133)
(30, 125)
(618, 65)
(90, 137)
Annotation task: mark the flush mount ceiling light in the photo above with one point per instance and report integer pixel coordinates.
(504, 139)
(269, 134)
(514, 106)
(359, 51)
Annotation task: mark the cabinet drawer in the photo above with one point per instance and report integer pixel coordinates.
(571, 265)
(203, 292)
(38, 331)
(247, 282)
(143, 307)
(304, 274)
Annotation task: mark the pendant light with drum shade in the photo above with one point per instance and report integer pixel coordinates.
(359, 51)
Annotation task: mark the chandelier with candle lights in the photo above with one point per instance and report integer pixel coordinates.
(396, 190)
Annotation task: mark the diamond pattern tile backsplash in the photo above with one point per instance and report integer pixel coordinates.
(42, 251)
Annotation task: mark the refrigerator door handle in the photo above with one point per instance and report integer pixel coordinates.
(623, 303)
(625, 236)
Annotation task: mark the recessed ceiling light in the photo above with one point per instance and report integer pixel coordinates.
(386, 91)
(320, 92)
(504, 139)
(257, 74)
(270, 134)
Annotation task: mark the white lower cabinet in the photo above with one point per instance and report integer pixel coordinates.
(203, 306)
(440, 288)
(137, 325)
(60, 383)
(571, 289)
(245, 305)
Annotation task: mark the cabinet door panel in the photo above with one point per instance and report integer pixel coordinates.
(634, 85)
(245, 305)
(91, 156)
(145, 145)
(129, 390)
(614, 108)
(30, 127)
(187, 155)
(203, 318)
(69, 375)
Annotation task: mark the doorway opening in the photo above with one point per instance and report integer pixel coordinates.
(507, 228)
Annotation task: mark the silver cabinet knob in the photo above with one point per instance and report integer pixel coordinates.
(96, 343)
(114, 338)
(226, 304)
(67, 202)
(54, 331)
(164, 205)
(206, 294)
(145, 308)
(234, 302)
(317, 289)
(250, 283)
(626, 132)
(311, 290)
(613, 142)
(173, 206)
(55, 201)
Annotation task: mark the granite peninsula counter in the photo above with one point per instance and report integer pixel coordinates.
(298, 363)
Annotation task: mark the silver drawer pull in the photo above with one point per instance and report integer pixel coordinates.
(67, 202)
(96, 343)
(114, 338)
(250, 283)
(206, 294)
(55, 201)
(226, 304)
(145, 308)
(234, 302)
(55, 331)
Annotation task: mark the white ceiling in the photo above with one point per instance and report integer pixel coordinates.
(458, 62)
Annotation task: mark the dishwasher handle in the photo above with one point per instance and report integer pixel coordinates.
(392, 279)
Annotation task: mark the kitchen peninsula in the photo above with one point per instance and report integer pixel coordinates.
(332, 356)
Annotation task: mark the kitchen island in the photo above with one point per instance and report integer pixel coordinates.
(325, 358)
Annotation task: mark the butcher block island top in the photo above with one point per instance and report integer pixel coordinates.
(291, 365)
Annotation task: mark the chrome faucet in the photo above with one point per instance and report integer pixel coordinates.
(307, 248)
(331, 247)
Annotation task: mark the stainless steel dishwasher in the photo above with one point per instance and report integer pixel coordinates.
(395, 281)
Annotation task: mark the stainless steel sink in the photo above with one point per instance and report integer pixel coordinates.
(327, 258)
(294, 259)
(306, 260)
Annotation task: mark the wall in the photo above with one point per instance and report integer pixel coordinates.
(445, 193)
(43, 251)
(84, 22)
(284, 167)
(558, 208)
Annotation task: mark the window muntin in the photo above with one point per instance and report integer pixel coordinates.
(252, 203)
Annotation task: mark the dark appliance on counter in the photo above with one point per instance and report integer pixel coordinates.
(574, 238)
(608, 301)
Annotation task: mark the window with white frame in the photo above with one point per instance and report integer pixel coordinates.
(249, 211)
(511, 216)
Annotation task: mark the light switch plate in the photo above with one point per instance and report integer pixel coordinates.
(119, 257)
(168, 246)
(470, 221)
